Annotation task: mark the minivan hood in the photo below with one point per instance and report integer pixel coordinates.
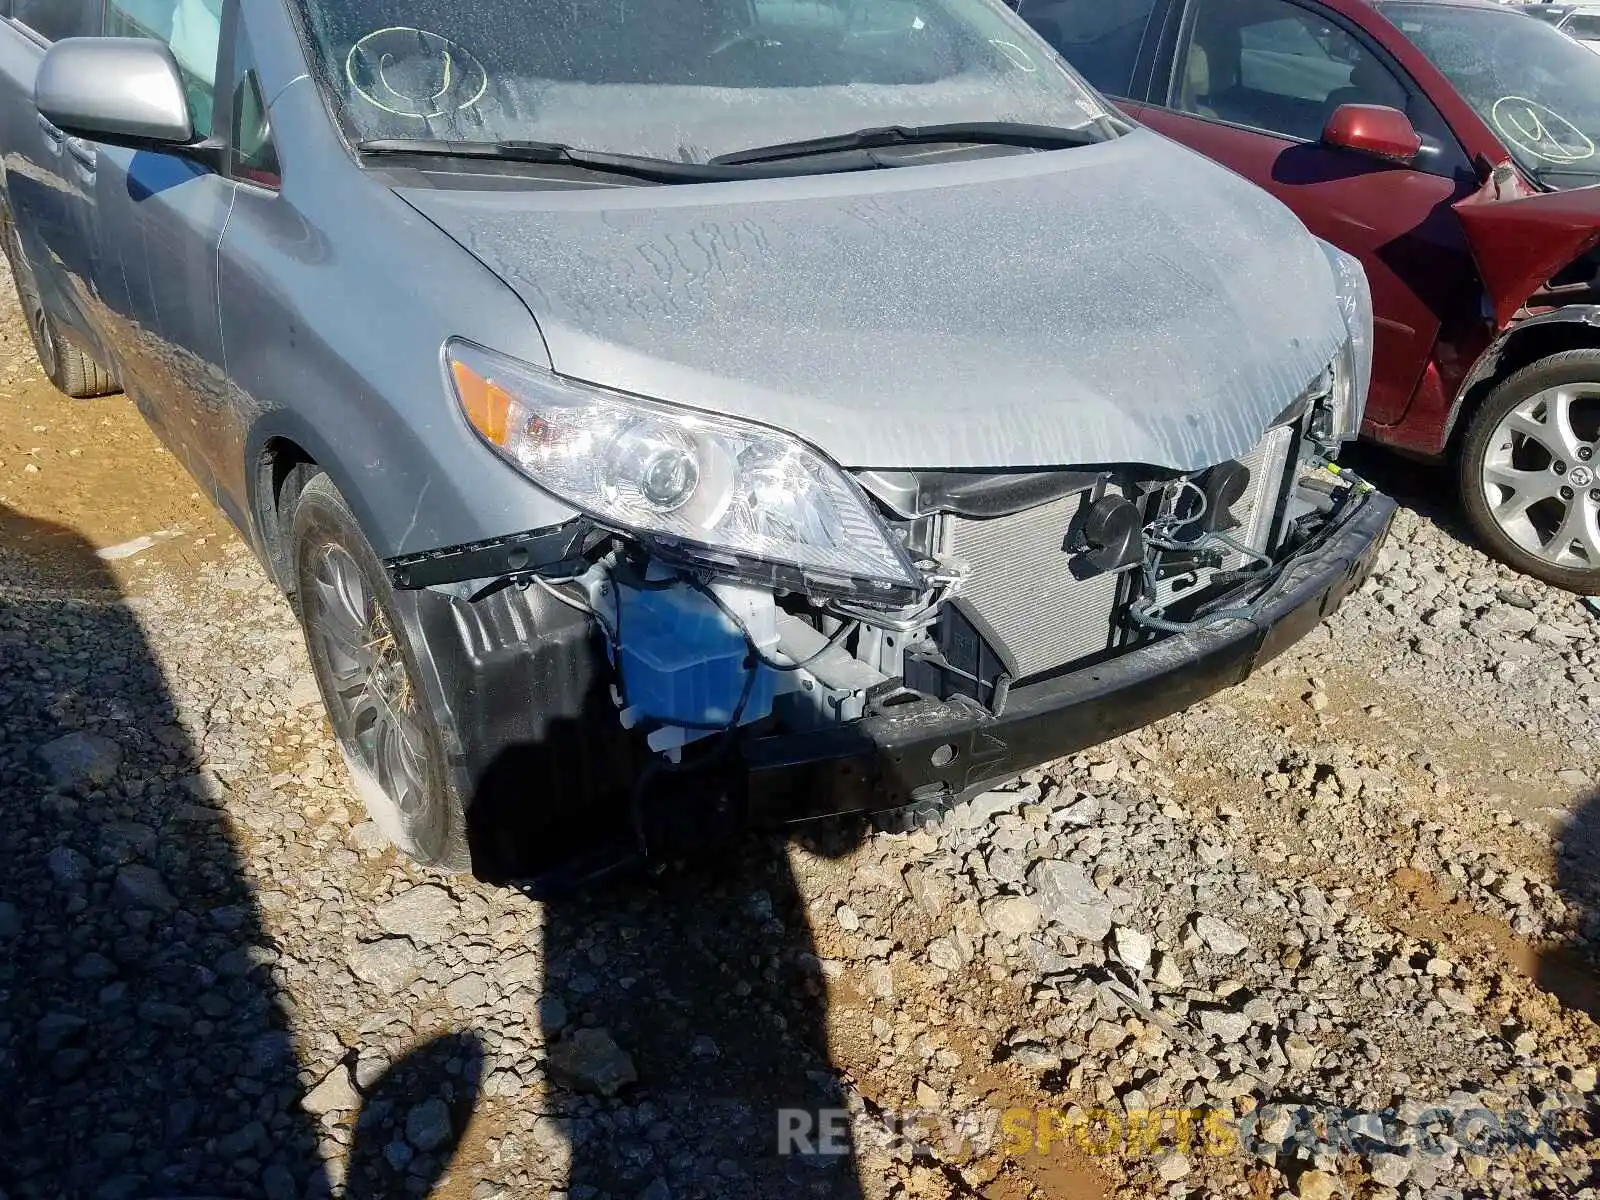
(1126, 302)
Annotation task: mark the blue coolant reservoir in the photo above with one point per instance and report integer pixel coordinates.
(683, 662)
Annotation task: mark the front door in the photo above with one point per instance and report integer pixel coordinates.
(1109, 42)
(1254, 85)
(160, 220)
(49, 177)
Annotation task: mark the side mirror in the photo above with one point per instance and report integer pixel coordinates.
(1373, 129)
(124, 91)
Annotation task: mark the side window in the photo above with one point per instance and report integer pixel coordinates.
(252, 154)
(1100, 38)
(56, 19)
(1275, 66)
(193, 30)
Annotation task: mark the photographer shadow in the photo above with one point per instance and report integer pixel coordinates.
(145, 1047)
(683, 1005)
(1571, 972)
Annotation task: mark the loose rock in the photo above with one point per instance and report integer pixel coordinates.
(1217, 936)
(387, 965)
(142, 887)
(588, 1060)
(1012, 917)
(334, 1093)
(428, 1125)
(1068, 899)
(1132, 947)
(422, 914)
(80, 760)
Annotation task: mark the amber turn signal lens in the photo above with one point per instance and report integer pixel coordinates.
(487, 405)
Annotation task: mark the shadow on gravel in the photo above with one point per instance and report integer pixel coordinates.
(145, 1047)
(424, 1100)
(1572, 972)
(1428, 489)
(711, 984)
(725, 1019)
(684, 1008)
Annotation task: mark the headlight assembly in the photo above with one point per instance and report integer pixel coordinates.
(718, 490)
(1337, 404)
(1352, 369)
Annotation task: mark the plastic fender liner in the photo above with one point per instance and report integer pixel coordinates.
(520, 687)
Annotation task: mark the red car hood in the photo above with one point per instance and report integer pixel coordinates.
(1521, 238)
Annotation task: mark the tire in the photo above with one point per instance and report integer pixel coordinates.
(366, 670)
(65, 365)
(1519, 455)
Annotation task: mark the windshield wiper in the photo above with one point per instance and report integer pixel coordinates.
(554, 153)
(1542, 174)
(760, 162)
(986, 133)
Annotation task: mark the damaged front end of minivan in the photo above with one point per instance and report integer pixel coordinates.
(830, 641)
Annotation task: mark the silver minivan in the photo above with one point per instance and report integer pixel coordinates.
(776, 408)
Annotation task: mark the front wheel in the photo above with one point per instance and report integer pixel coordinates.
(1530, 471)
(366, 671)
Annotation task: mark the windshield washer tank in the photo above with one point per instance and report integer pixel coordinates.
(685, 663)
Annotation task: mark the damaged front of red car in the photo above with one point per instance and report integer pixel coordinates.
(1528, 446)
(1513, 397)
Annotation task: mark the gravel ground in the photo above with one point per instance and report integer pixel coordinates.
(1336, 927)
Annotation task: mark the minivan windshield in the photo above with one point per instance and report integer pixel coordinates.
(1537, 88)
(684, 80)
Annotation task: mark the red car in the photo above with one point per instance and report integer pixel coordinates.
(1451, 145)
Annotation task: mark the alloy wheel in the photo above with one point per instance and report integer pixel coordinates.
(1541, 475)
(372, 702)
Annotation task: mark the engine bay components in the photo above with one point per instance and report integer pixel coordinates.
(1020, 579)
(1225, 485)
(1113, 562)
(1110, 531)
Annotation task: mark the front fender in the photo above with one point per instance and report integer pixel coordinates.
(1520, 239)
(336, 300)
(286, 427)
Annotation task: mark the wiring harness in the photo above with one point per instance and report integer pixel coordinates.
(1163, 535)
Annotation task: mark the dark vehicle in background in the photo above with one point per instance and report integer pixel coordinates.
(1451, 146)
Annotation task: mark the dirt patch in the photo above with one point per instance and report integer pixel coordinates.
(1443, 758)
(1432, 913)
(93, 470)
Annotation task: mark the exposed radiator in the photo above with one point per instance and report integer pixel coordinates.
(1267, 464)
(1021, 587)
